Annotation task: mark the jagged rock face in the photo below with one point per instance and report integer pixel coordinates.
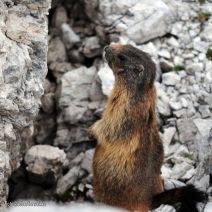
(137, 21)
(23, 59)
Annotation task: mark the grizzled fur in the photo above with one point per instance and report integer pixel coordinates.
(129, 154)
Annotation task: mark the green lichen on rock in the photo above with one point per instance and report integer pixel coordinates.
(209, 54)
(203, 16)
(179, 68)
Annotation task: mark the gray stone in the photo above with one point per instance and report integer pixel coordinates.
(91, 47)
(48, 102)
(187, 130)
(58, 69)
(199, 45)
(170, 78)
(87, 161)
(164, 53)
(208, 207)
(59, 17)
(107, 79)
(75, 85)
(67, 181)
(70, 38)
(167, 137)
(23, 44)
(194, 67)
(172, 183)
(165, 208)
(179, 170)
(56, 51)
(204, 111)
(163, 105)
(166, 66)
(175, 105)
(73, 113)
(44, 163)
(135, 15)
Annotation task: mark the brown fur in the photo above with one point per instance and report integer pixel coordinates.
(127, 167)
(129, 153)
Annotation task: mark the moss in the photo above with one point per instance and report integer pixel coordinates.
(189, 156)
(209, 54)
(179, 68)
(201, 1)
(203, 16)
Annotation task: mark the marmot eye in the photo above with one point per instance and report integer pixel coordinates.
(121, 58)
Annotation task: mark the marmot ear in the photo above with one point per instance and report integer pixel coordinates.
(140, 68)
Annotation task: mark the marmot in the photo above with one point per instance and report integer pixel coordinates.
(129, 153)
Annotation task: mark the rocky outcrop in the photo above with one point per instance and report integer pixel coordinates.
(23, 67)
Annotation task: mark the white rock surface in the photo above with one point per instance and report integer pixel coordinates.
(142, 20)
(23, 67)
(44, 163)
(107, 79)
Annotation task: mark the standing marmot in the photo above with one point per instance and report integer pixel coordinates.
(129, 154)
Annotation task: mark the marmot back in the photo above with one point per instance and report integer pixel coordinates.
(129, 154)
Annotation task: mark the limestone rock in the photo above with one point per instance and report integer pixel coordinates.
(107, 79)
(142, 21)
(44, 163)
(87, 161)
(70, 38)
(170, 78)
(67, 181)
(23, 42)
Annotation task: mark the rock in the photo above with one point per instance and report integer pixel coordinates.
(194, 67)
(44, 163)
(165, 208)
(171, 183)
(173, 42)
(164, 53)
(73, 113)
(204, 111)
(208, 207)
(67, 181)
(48, 102)
(200, 46)
(187, 130)
(142, 21)
(107, 79)
(170, 78)
(45, 127)
(58, 69)
(150, 48)
(167, 137)
(204, 127)
(175, 105)
(56, 52)
(179, 170)
(23, 44)
(166, 66)
(59, 17)
(75, 85)
(87, 161)
(70, 38)
(163, 105)
(91, 47)
(75, 56)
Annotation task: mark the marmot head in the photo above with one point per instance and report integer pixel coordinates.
(131, 66)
